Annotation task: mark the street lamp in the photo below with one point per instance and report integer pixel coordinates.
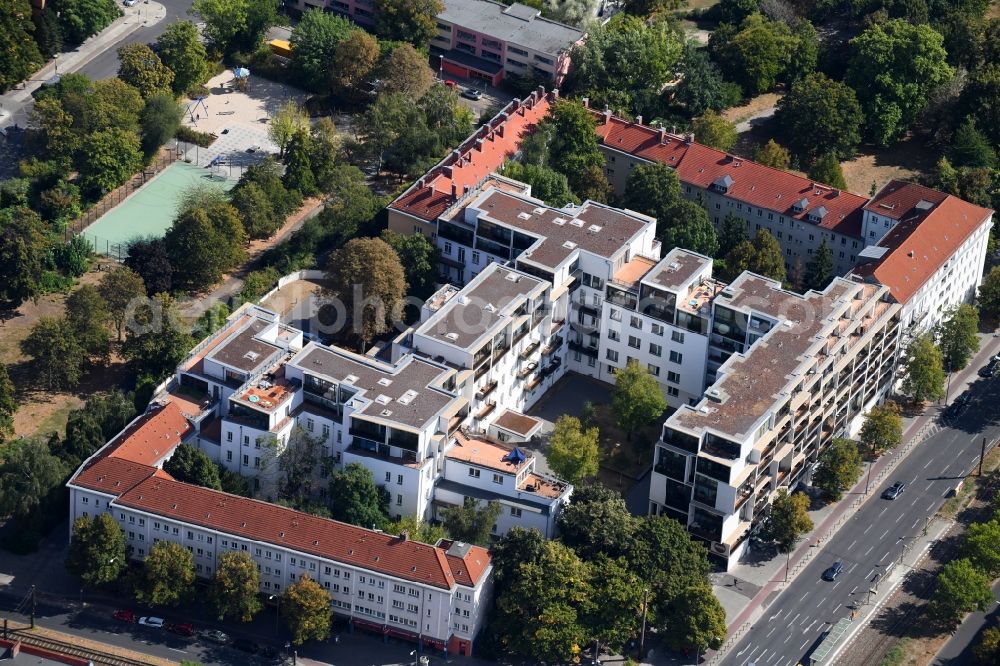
(277, 610)
(642, 634)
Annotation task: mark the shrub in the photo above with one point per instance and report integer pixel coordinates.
(188, 135)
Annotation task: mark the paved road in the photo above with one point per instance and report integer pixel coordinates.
(105, 65)
(958, 650)
(794, 623)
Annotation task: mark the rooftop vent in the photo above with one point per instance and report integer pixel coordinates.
(384, 381)
(512, 277)
(386, 413)
(576, 222)
(407, 397)
(923, 204)
(538, 211)
(489, 307)
(559, 221)
(569, 245)
(451, 336)
(524, 216)
(594, 228)
(350, 379)
(251, 355)
(383, 399)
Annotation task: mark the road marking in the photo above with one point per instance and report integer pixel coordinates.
(882, 511)
(797, 614)
(851, 568)
(870, 549)
(868, 528)
(899, 518)
(176, 650)
(930, 507)
(851, 547)
(870, 572)
(810, 626)
(914, 479)
(883, 534)
(915, 523)
(773, 629)
(787, 638)
(884, 555)
(855, 589)
(822, 600)
(804, 644)
(928, 464)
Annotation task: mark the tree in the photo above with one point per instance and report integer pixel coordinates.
(418, 530)
(761, 256)
(206, 239)
(57, 356)
(160, 120)
(314, 41)
(958, 335)
(542, 612)
(573, 450)
(298, 164)
(8, 404)
(410, 21)
(97, 554)
(988, 649)
(471, 522)
(82, 18)
(307, 610)
(819, 270)
(141, 68)
(157, 343)
(713, 130)
(191, 465)
(700, 620)
(596, 522)
(961, 589)
(547, 184)
(838, 468)
(573, 147)
(235, 588)
(924, 368)
(180, 49)
(286, 122)
(982, 546)
(236, 24)
(107, 159)
(356, 498)
(757, 53)
(882, 429)
(703, 87)
(989, 293)
(773, 155)
(405, 70)
(102, 417)
(611, 622)
(167, 575)
(23, 253)
(119, 289)
(789, 520)
(732, 233)
(368, 278)
(19, 55)
(637, 398)
(970, 147)
(148, 259)
(826, 169)
(28, 474)
(87, 317)
(687, 226)
(894, 65)
(354, 60)
(48, 32)
(255, 211)
(419, 259)
(978, 98)
(516, 547)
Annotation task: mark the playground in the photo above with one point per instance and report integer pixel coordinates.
(150, 211)
(248, 100)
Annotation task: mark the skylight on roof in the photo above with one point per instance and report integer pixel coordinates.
(569, 245)
(594, 228)
(383, 399)
(576, 222)
(407, 397)
(524, 216)
(350, 379)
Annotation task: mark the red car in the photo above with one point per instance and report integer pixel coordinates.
(124, 616)
(181, 628)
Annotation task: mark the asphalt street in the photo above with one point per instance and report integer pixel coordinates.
(105, 64)
(795, 622)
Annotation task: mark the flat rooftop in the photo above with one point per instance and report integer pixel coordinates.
(466, 316)
(269, 394)
(676, 270)
(483, 453)
(517, 23)
(596, 228)
(244, 350)
(407, 390)
(633, 271)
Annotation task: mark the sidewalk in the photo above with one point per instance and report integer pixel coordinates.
(744, 591)
(19, 100)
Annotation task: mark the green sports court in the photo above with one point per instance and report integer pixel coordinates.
(150, 211)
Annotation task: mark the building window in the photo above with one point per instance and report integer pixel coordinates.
(229, 436)
(653, 369)
(310, 425)
(677, 336)
(474, 473)
(399, 500)
(655, 350)
(657, 329)
(498, 478)
(515, 512)
(614, 335)
(475, 257)
(447, 248)
(634, 342)
(636, 323)
(673, 377)
(672, 392)
(611, 355)
(676, 357)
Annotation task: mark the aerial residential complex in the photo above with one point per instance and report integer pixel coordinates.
(483, 40)
(761, 378)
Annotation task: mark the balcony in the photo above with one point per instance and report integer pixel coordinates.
(530, 349)
(486, 410)
(533, 384)
(556, 325)
(485, 390)
(527, 370)
(552, 347)
(454, 422)
(499, 352)
(586, 350)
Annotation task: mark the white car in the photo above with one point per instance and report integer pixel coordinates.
(150, 621)
(130, 3)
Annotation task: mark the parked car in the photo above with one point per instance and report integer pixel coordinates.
(181, 628)
(130, 3)
(450, 83)
(246, 645)
(835, 570)
(990, 368)
(151, 621)
(215, 636)
(124, 616)
(893, 491)
(472, 93)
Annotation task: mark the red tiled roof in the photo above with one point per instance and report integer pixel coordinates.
(262, 521)
(480, 155)
(920, 244)
(113, 476)
(152, 436)
(468, 568)
(753, 183)
(898, 199)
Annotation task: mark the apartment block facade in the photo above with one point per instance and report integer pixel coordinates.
(483, 40)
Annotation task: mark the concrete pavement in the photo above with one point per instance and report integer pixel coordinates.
(862, 531)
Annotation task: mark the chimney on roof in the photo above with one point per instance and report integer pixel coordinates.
(479, 145)
(540, 92)
(555, 92)
(690, 137)
(607, 115)
(638, 120)
(465, 189)
(673, 129)
(663, 134)
(454, 190)
(404, 535)
(586, 102)
(500, 129)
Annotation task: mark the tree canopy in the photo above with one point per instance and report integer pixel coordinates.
(19, 54)
(97, 550)
(761, 256)
(958, 336)
(789, 520)
(314, 42)
(961, 589)
(820, 270)
(368, 278)
(839, 467)
(142, 69)
(758, 53)
(357, 500)
(882, 429)
(924, 370)
(654, 189)
(637, 398)
(233, 25)
(307, 610)
(167, 575)
(180, 49)
(820, 116)
(472, 522)
(713, 130)
(573, 450)
(192, 465)
(826, 169)
(410, 21)
(235, 587)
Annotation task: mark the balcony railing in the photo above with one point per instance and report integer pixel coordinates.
(486, 410)
(486, 390)
(528, 369)
(530, 349)
(552, 347)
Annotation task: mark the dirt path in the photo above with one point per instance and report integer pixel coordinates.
(759, 107)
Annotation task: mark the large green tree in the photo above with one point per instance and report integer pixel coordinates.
(158, 342)
(235, 587)
(774, 155)
(700, 620)
(703, 87)
(573, 450)
(368, 278)
(654, 189)
(989, 293)
(547, 184)
(970, 147)
(979, 96)
(789, 520)
(97, 550)
(406, 71)
(23, 255)
(192, 465)
(19, 55)
(761, 256)
(924, 370)
(87, 317)
(958, 336)
(160, 119)
(882, 429)
(419, 259)
(8, 403)
(820, 116)
(961, 589)
(232, 25)
(637, 398)
(819, 269)
(121, 288)
(80, 19)
(410, 21)
(472, 522)
(314, 42)
(167, 575)
(141, 68)
(356, 499)
(894, 65)
(307, 610)
(28, 474)
(57, 356)
(180, 48)
(826, 169)
(982, 546)
(107, 159)
(597, 522)
(713, 130)
(354, 60)
(573, 148)
(758, 52)
(838, 468)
